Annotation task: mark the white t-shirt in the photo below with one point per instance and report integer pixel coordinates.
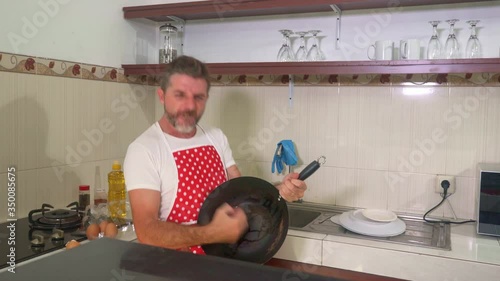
(149, 163)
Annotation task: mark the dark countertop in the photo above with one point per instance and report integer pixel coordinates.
(302, 270)
(110, 259)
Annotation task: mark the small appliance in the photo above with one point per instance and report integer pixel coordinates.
(488, 199)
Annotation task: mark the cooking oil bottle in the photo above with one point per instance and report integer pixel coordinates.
(117, 193)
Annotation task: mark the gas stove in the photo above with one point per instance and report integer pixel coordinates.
(43, 231)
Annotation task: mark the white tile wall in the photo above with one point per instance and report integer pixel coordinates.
(347, 182)
(465, 118)
(323, 122)
(52, 133)
(415, 120)
(413, 193)
(51, 118)
(255, 119)
(374, 127)
(491, 152)
(348, 128)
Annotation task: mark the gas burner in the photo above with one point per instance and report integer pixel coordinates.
(60, 218)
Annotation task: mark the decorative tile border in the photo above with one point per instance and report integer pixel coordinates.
(17, 63)
(52, 67)
(57, 68)
(45, 66)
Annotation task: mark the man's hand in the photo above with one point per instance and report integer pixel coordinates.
(292, 189)
(229, 224)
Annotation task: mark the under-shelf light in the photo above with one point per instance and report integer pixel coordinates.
(412, 89)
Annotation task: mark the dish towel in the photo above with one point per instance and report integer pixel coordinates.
(285, 154)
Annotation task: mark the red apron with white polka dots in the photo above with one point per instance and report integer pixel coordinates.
(200, 170)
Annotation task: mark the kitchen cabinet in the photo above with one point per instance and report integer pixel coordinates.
(242, 8)
(406, 265)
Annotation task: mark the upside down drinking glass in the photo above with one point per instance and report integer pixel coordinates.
(434, 47)
(315, 53)
(452, 48)
(473, 49)
(301, 54)
(286, 53)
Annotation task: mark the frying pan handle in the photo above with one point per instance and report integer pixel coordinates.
(311, 168)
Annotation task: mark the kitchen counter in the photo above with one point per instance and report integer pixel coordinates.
(472, 256)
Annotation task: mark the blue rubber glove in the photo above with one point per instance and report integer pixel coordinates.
(285, 154)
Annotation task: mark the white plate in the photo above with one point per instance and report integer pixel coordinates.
(356, 222)
(336, 219)
(379, 215)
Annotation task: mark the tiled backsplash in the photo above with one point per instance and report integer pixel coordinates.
(56, 130)
(385, 137)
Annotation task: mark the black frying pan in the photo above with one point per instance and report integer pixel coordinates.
(266, 212)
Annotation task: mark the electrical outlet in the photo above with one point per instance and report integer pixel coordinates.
(440, 179)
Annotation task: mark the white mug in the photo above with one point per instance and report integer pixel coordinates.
(409, 49)
(382, 50)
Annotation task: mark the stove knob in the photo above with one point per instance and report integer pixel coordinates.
(57, 234)
(38, 240)
(58, 242)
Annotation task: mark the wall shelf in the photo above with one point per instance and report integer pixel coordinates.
(219, 9)
(242, 8)
(338, 67)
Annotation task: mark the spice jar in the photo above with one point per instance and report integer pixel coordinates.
(83, 196)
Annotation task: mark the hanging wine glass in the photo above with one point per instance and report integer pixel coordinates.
(452, 48)
(301, 54)
(315, 53)
(473, 49)
(286, 53)
(434, 47)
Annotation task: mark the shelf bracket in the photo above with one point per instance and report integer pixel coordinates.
(291, 83)
(181, 23)
(338, 12)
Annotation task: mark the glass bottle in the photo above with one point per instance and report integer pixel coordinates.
(100, 195)
(83, 196)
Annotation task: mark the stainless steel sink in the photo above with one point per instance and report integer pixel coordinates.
(299, 218)
(316, 218)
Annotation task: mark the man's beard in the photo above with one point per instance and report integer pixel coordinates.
(183, 128)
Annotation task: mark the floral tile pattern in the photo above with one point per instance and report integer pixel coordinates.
(58, 68)
(53, 67)
(365, 80)
(137, 79)
(17, 63)
(93, 72)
